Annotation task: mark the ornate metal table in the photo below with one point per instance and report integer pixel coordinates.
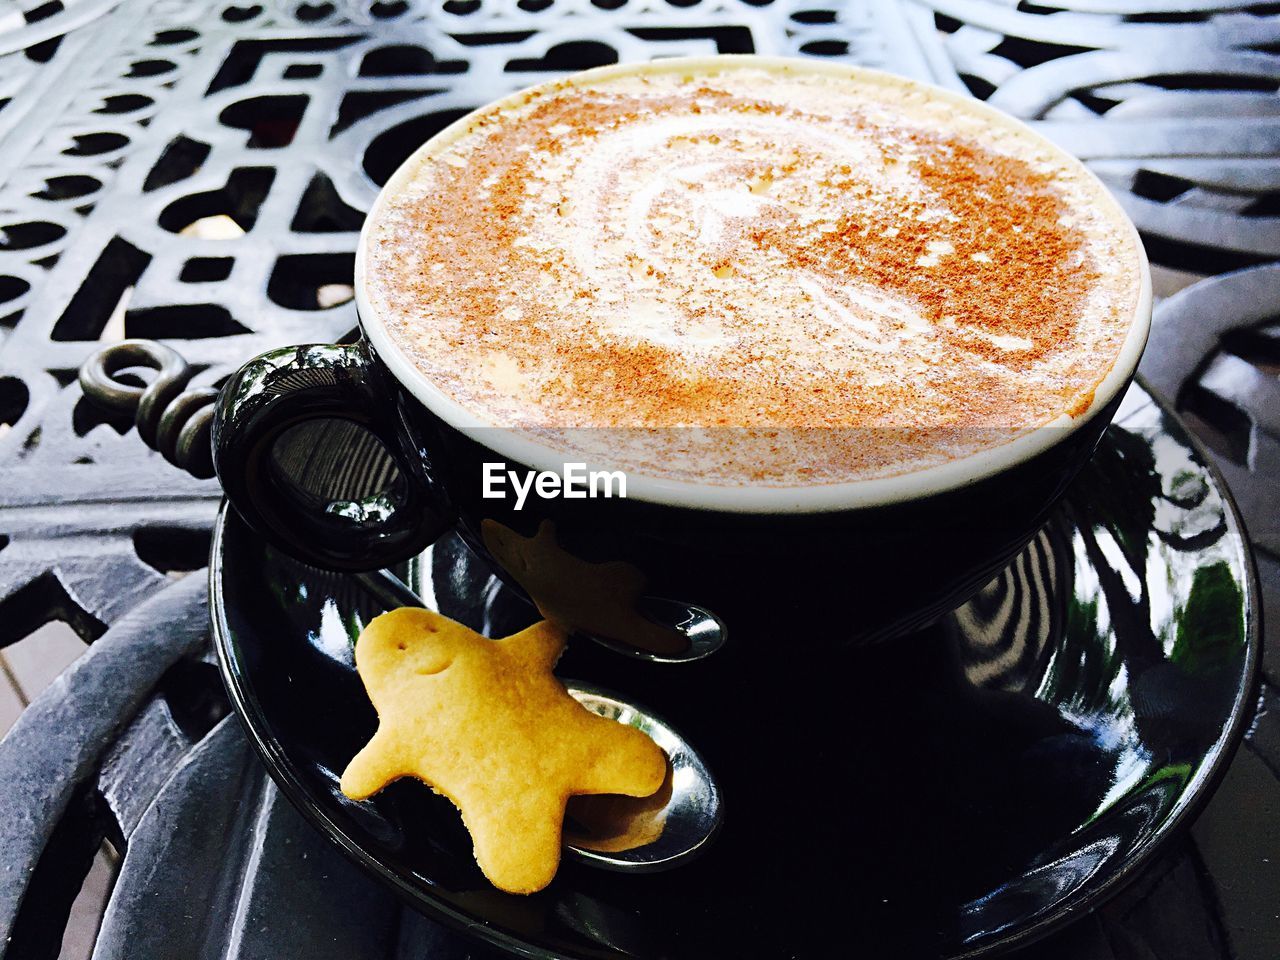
(195, 171)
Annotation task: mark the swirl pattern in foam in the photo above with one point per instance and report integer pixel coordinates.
(749, 275)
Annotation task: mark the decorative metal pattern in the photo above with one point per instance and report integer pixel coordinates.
(174, 420)
(1172, 102)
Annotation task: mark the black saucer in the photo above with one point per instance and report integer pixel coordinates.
(968, 788)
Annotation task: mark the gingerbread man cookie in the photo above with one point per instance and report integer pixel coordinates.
(487, 724)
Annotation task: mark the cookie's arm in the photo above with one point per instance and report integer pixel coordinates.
(623, 760)
(379, 763)
(538, 646)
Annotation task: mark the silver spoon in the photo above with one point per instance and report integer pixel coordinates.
(624, 834)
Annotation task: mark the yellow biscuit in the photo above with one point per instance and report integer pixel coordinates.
(487, 724)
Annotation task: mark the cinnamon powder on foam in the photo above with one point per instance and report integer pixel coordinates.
(519, 331)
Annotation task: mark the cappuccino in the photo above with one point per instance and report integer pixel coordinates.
(745, 275)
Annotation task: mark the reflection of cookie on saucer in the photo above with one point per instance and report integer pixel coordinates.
(596, 598)
(487, 724)
(612, 824)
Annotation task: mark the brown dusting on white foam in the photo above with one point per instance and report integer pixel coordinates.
(752, 276)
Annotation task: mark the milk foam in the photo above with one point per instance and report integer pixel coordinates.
(756, 250)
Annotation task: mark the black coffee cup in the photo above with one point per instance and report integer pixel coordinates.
(674, 561)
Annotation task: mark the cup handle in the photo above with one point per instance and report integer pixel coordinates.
(282, 389)
(265, 398)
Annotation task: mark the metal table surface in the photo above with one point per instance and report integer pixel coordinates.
(195, 171)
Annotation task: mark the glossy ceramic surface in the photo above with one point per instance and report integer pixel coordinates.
(957, 791)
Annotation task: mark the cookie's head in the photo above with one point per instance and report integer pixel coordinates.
(405, 643)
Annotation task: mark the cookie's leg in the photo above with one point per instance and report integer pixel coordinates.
(517, 840)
